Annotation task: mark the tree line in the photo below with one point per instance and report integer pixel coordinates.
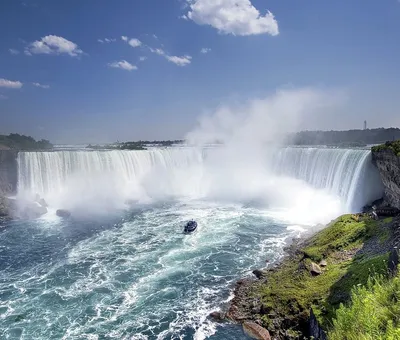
(16, 141)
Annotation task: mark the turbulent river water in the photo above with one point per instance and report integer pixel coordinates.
(121, 268)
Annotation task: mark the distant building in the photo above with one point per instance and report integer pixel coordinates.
(365, 124)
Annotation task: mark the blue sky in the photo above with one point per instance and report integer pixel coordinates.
(61, 79)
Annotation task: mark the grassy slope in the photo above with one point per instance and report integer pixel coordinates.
(290, 291)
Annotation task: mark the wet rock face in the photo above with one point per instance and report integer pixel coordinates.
(8, 172)
(315, 331)
(389, 168)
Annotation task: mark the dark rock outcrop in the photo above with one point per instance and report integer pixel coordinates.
(388, 165)
(8, 172)
(393, 262)
(259, 274)
(315, 331)
(63, 213)
(217, 316)
(29, 210)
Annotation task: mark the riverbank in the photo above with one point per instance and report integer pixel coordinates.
(317, 274)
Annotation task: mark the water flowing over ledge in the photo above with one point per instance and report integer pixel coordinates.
(68, 176)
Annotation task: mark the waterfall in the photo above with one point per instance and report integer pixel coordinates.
(347, 173)
(81, 176)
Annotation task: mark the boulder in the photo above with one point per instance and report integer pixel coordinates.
(315, 269)
(30, 210)
(323, 263)
(63, 213)
(216, 316)
(255, 331)
(43, 203)
(259, 274)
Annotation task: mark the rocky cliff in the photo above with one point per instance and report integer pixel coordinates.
(8, 171)
(388, 163)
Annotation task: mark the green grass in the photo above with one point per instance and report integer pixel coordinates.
(394, 146)
(374, 312)
(290, 291)
(346, 232)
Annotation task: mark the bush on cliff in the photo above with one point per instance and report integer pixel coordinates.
(394, 146)
(374, 312)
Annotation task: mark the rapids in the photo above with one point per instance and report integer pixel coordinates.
(121, 268)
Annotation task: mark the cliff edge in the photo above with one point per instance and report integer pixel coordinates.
(386, 157)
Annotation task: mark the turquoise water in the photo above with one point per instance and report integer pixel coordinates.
(133, 275)
(119, 272)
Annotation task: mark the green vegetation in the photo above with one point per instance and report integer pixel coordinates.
(21, 142)
(394, 146)
(291, 290)
(374, 312)
(139, 145)
(118, 146)
(351, 138)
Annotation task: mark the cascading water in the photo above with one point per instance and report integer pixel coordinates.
(68, 177)
(131, 273)
(347, 173)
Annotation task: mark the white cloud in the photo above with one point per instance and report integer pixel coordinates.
(143, 58)
(237, 17)
(124, 38)
(180, 61)
(10, 84)
(158, 51)
(13, 51)
(135, 42)
(205, 50)
(123, 64)
(52, 44)
(41, 85)
(106, 40)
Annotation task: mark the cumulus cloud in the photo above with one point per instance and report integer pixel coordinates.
(13, 51)
(10, 84)
(41, 85)
(143, 58)
(205, 50)
(52, 44)
(123, 64)
(134, 42)
(237, 17)
(180, 61)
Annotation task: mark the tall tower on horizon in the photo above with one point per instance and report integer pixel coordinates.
(365, 124)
